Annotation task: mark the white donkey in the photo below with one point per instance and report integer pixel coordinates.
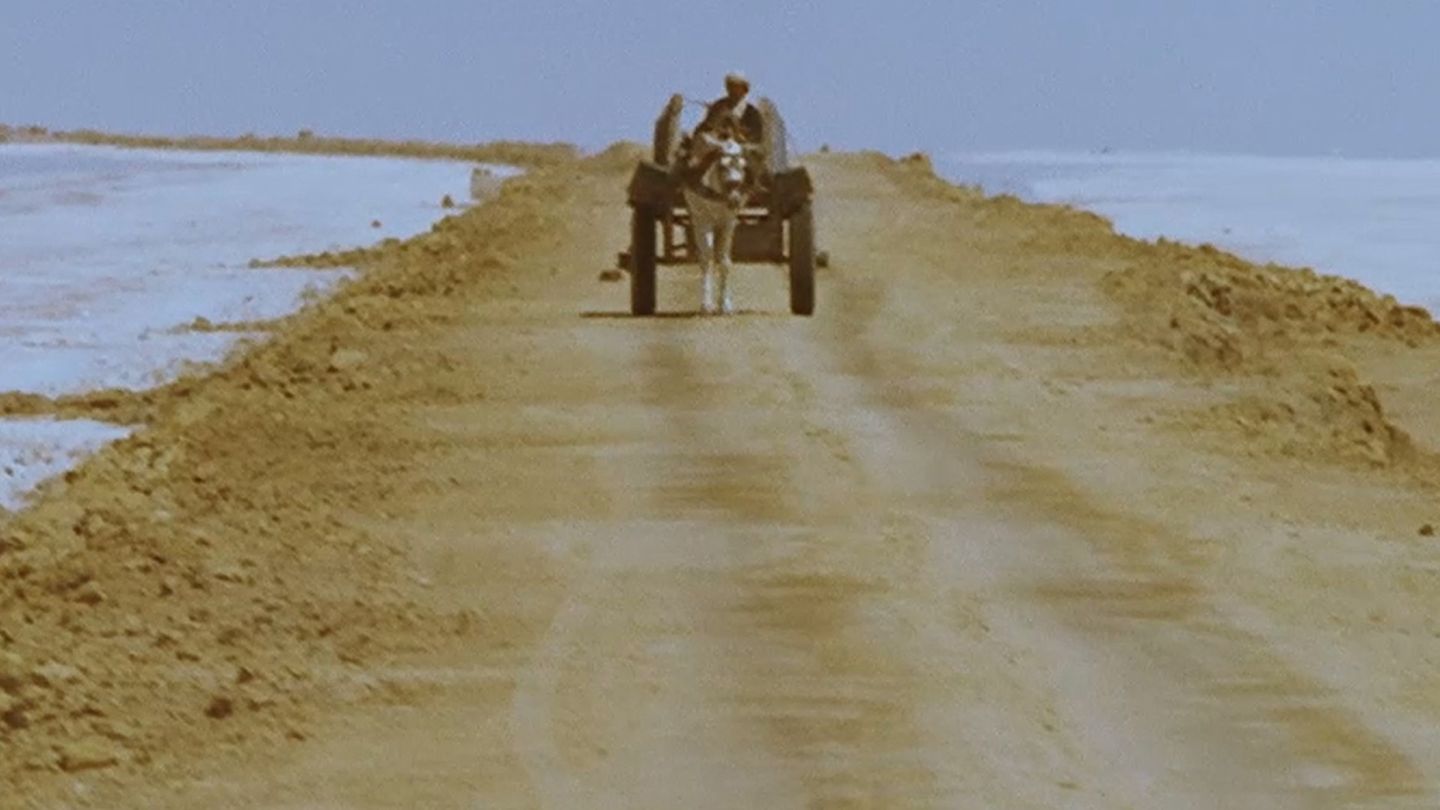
(715, 190)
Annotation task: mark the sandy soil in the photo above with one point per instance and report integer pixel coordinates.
(1028, 516)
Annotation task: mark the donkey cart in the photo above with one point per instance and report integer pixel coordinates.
(776, 224)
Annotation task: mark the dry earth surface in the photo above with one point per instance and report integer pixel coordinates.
(1029, 515)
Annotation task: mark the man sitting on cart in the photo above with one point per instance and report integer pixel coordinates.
(735, 107)
(733, 116)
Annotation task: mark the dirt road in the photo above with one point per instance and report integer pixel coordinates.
(930, 548)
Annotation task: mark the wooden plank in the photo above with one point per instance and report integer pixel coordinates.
(777, 142)
(667, 131)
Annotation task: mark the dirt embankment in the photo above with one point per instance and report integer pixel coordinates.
(1226, 316)
(1280, 341)
(1284, 338)
(511, 153)
(211, 581)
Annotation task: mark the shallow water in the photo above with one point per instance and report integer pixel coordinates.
(1376, 221)
(33, 450)
(107, 255)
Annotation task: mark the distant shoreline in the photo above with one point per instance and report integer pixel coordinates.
(513, 153)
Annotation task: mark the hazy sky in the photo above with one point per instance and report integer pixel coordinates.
(1358, 76)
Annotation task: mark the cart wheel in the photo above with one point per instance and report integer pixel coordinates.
(642, 261)
(802, 261)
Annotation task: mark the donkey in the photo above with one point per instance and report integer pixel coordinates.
(716, 188)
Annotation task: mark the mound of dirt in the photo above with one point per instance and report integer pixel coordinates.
(510, 153)
(1321, 412)
(116, 405)
(1220, 311)
(1281, 331)
(210, 581)
(1273, 335)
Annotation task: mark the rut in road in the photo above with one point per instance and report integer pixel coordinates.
(774, 562)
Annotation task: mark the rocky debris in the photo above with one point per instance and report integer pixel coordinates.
(55, 676)
(219, 707)
(13, 672)
(1220, 315)
(918, 161)
(88, 594)
(8, 703)
(14, 678)
(483, 184)
(231, 572)
(14, 717)
(88, 754)
(1322, 412)
(1222, 312)
(221, 557)
(346, 360)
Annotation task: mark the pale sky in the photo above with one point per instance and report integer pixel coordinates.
(1360, 77)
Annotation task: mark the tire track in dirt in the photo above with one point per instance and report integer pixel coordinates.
(814, 660)
(774, 562)
(754, 632)
(615, 704)
(1173, 704)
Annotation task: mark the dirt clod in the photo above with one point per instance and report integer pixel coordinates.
(55, 675)
(88, 754)
(220, 707)
(89, 594)
(13, 672)
(8, 703)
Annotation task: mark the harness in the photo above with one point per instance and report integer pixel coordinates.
(694, 176)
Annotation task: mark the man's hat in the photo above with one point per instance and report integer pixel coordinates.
(736, 77)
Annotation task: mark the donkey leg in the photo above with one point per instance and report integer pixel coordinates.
(727, 239)
(707, 270)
